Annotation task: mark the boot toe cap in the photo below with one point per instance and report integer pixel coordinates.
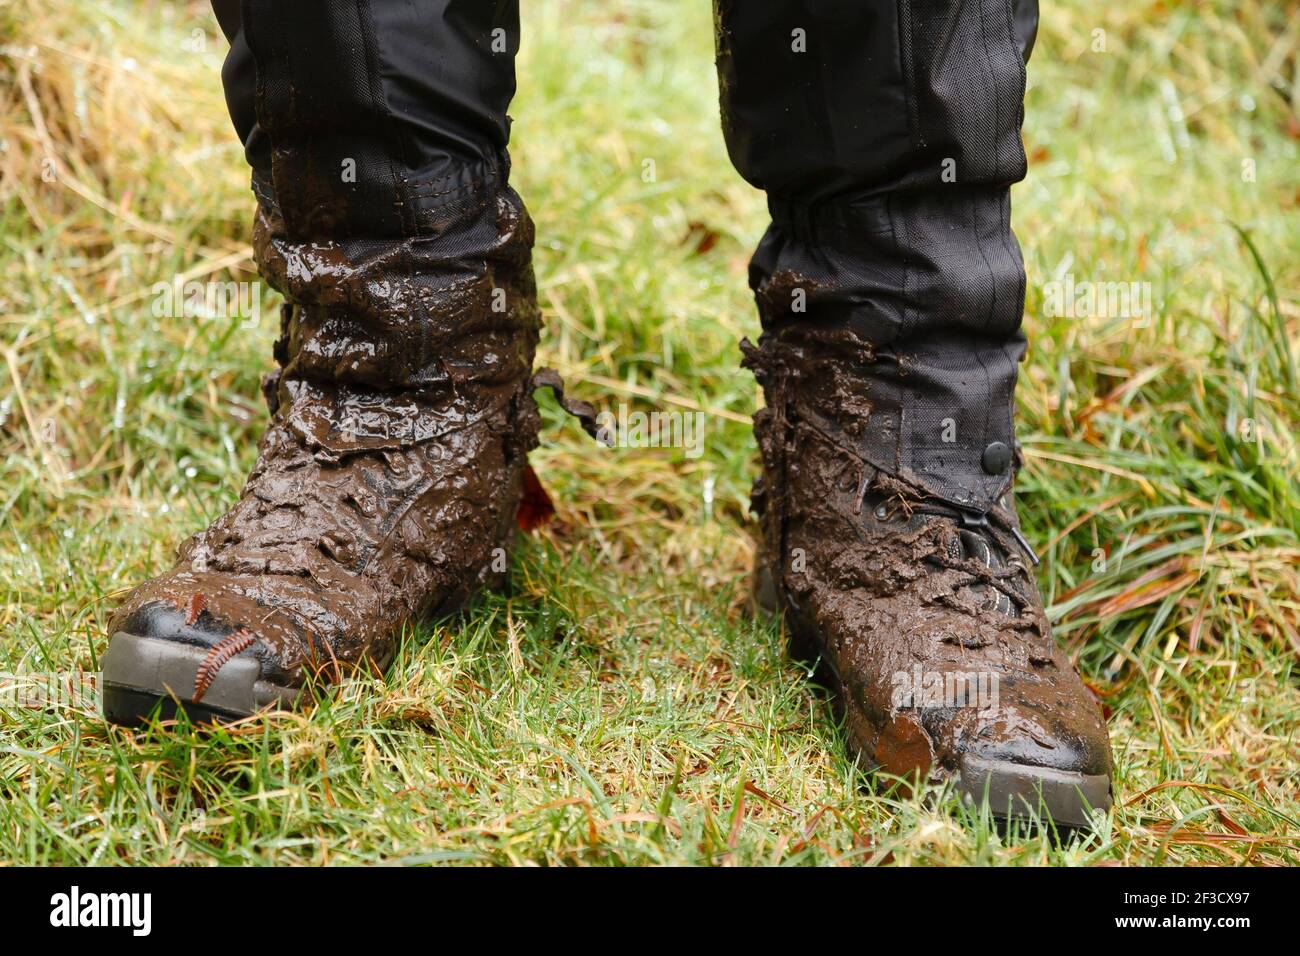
(160, 619)
(1040, 758)
(169, 652)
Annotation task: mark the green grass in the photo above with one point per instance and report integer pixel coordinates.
(619, 706)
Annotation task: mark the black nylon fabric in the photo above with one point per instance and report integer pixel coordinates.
(885, 134)
(412, 95)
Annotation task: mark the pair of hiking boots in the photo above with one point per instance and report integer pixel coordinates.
(388, 484)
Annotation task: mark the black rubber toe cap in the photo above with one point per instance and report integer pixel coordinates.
(1047, 767)
(1064, 748)
(166, 622)
(141, 674)
(154, 657)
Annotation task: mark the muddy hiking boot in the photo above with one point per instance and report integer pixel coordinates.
(386, 487)
(923, 613)
(891, 291)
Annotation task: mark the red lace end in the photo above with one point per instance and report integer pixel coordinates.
(535, 506)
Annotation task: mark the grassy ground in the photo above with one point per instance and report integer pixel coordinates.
(620, 707)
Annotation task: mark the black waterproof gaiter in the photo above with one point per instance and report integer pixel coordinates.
(886, 136)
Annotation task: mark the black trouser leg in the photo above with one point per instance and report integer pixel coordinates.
(366, 118)
(886, 136)
(376, 132)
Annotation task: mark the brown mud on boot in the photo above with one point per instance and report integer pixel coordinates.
(925, 614)
(386, 487)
